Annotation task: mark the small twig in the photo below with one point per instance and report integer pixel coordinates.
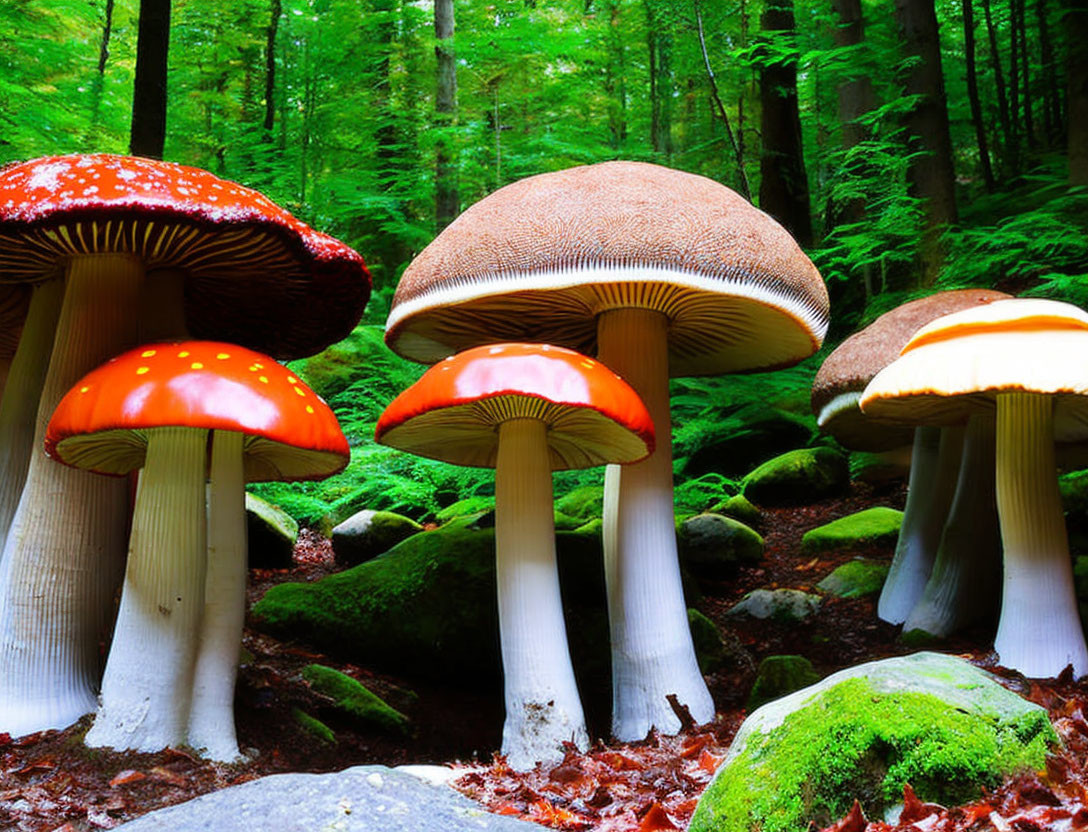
(681, 711)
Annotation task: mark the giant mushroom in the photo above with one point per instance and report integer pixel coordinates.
(525, 410)
(170, 674)
(1020, 359)
(659, 273)
(114, 247)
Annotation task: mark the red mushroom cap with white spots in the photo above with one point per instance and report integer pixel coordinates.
(255, 274)
(101, 423)
(453, 411)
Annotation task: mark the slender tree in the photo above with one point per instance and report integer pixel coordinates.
(148, 135)
(445, 166)
(972, 95)
(1010, 144)
(930, 176)
(275, 10)
(1076, 73)
(783, 188)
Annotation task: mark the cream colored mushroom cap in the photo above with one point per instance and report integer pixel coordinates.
(958, 364)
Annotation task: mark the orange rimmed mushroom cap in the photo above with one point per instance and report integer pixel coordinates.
(290, 433)
(453, 411)
(959, 363)
(255, 274)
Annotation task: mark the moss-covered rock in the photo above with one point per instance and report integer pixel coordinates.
(710, 649)
(354, 701)
(855, 579)
(933, 721)
(313, 726)
(467, 507)
(583, 503)
(880, 468)
(777, 604)
(272, 534)
(734, 445)
(879, 525)
(366, 534)
(738, 507)
(694, 496)
(712, 544)
(778, 676)
(799, 476)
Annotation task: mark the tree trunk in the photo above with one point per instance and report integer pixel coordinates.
(1052, 108)
(148, 135)
(855, 98)
(445, 106)
(930, 176)
(783, 190)
(972, 94)
(659, 46)
(1020, 36)
(270, 67)
(1009, 155)
(1076, 69)
(615, 85)
(107, 28)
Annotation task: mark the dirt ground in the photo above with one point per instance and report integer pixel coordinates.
(50, 781)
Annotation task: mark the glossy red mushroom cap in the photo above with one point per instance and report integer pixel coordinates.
(255, 275)
(101, 424)
(453, 412)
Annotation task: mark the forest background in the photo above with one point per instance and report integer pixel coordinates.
(909, 145)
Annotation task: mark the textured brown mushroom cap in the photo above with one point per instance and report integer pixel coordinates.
(539, 259)
(851, 366)
(958, 364)
(255, 275)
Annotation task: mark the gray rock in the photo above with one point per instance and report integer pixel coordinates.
(272, 534)
(366, 534)
(359, 799)
(711, 544)
(779, 604)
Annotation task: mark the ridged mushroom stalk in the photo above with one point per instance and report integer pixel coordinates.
(1040, 631)
(148, 683)
(934, 464)
(543, 708)
(963, 586)
(652, 652)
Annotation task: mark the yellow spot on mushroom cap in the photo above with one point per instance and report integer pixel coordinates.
(197, 365)
(309, 409)
(141, 370)
(262, 379)
(147, 353)
(223, 356)
(84, 389)
(183, 354)
(300, 391)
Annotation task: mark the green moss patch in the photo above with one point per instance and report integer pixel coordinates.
(352, 699)
(798, 476)
(855, 579)
(879, 525)
(313, 726)
(929, 720)
(778, 676)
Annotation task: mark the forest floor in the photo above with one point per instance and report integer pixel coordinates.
(50, 781)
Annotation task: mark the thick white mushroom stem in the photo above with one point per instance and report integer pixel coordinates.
(1040, 631)
(934, 464)
(148, 683)
(652, 652)
(64, 552)
(211, 720)
(543, 709)
(24, 388)
(964, 584)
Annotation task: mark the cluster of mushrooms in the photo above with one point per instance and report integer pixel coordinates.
(152, 302)
(988, 386)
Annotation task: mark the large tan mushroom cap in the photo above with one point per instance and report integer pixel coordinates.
(846, 371)
(539, 259)
(959, 363)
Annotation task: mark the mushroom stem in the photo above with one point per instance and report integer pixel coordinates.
(652, 651)
(933, 466)
(963, 585)
(162, 306)
(148, 683)
(211, 721)
(24, 388)
(543, 709)
(65, 548)
(1040, 631)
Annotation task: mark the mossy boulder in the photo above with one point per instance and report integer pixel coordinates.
(880, 468)
(877, 525)
(788, 605)
(712, 545)
(750, 435)
(934, 721)
(798, 476)
(855, 579)
(738, 507)
(351, 699)
(693, 496)
(313, 726)
(710, 648)
(778, 676)
(583, 503)
(366, 534)
(467, 507)
(272, 534)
